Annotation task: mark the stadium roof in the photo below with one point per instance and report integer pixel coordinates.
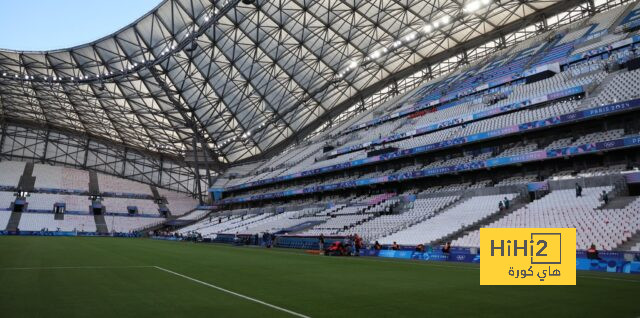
(245, 80)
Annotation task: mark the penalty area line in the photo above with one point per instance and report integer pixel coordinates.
(232, 292)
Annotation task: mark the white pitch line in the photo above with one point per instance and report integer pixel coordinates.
(70, 267)
(232, 293)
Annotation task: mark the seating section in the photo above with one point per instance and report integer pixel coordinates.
(118, 185)
(280, 222)
(4, 219)
(519, 93)
(46, 221)
(516, 180)
(129, 224)
(252, 223)
(336, 224)
(483, 86)
(605, 20)
(119, 205)
(602, 41)
(77, 203)
(195, 215)
(178, 203)
(387, 224)
(602, 171)
(6, 198)
(469, 112)
(474, 103)
(449, 221)
(53, 183)
(606, 228)
(621, 86)
(44, 202)
(231, 224)
(55, 177)
(11, 172)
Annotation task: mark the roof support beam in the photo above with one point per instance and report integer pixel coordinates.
(495, 34)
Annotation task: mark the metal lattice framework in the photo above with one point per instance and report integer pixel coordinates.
(32, 143)
(240, 80)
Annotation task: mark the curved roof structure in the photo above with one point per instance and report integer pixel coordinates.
(243, 80)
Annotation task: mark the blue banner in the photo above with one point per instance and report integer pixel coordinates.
(613, 262)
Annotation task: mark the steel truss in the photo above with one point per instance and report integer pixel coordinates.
(37, 144)
(240, 82)
(400, 85)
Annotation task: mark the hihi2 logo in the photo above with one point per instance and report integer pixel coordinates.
(540, 256)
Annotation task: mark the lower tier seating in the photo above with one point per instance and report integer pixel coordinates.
(387, 224)
(607, 228)
(46, 221)
(4, 219)
(128, 224)
(449, 221)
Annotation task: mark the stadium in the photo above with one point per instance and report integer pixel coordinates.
(327, 158)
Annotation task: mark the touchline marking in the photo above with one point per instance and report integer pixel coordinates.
(231, 292)
(70, 267)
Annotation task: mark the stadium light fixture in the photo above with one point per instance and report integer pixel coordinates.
(410, 37)
(475, 5)
(472, 6)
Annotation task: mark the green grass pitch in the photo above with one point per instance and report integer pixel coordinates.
(116, 277)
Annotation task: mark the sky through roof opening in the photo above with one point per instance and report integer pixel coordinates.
(37, 25)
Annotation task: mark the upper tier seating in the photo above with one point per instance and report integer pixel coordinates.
(606, 228)
(622, 86)
(55, 177)
(460, 99)
(605, 20)
(10, 172)
(603, 41)
(109, 183)
(449, 221)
